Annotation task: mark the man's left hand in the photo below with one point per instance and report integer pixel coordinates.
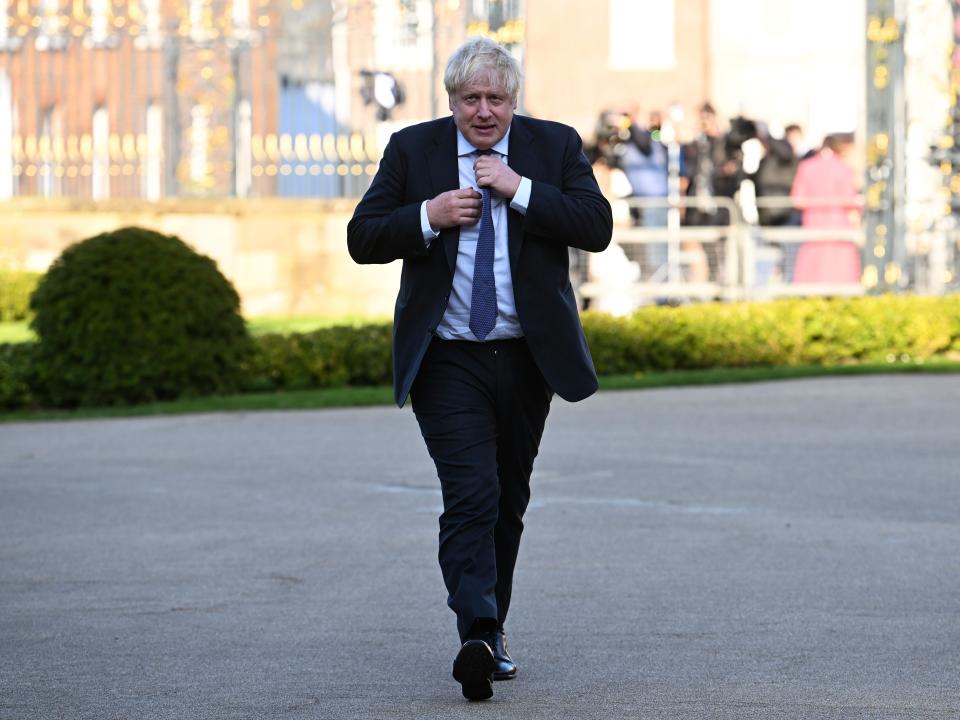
(495, 174)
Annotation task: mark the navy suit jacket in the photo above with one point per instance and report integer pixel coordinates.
(566, 209)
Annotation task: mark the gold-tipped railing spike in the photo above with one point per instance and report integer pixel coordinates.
(86, 147)
(330, 148)
(301, 148)
(343, 149)
(73, 149)
(356, 148)
(371, 146)
(256, 149)
(316, 147)
(272, 147)
(129, 144)
(286, 147)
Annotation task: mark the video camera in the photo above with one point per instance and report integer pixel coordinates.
(741, 130)
(611, 130)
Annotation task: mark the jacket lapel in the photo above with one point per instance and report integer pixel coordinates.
(445, 175)
(524, 161)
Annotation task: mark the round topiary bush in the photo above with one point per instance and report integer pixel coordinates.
(134, 316)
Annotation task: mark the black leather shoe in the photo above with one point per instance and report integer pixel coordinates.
(473, 669)
(506, 668)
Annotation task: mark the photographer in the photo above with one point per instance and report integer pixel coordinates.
(622, 143)
(714, 166)
(713, 169)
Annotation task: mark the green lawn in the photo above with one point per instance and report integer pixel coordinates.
(718, 376)
(305, 323)
(15, 332)
(293, 400)
(361, 396)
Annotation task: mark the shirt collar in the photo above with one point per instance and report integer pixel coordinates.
(465, 148)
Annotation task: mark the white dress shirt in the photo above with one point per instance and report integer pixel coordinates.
(455, 324)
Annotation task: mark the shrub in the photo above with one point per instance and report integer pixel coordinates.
(134, 316)
(811, 331)
(328, 357)
(785, 332)
(14, 380)
(15, 290)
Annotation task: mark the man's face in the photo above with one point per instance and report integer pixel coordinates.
(482, 110)
(709, 124)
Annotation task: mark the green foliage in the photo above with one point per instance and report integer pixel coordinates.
(654, 339)
(812, 331)
(286, 324)
(785, 333)
(15, 363)
(16, 332)
(15, 290)
(135, 316)
(329, 357)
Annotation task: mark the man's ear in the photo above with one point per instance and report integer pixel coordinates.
(450, 102)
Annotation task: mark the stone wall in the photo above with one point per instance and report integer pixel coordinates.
(285, 257)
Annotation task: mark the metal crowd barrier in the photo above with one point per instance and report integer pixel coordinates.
(677, 262)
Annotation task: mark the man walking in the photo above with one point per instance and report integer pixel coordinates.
(482, 207)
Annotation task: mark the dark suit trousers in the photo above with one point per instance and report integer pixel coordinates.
(481, 409)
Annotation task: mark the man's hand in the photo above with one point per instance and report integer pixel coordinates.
(454, 207)
(495, 174)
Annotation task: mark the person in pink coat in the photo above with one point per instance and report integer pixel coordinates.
(827, 175)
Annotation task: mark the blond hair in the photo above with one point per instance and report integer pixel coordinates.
(477, 56)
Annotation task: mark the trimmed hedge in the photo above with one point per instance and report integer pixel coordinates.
(330, 357)
(132, 316)
(15, 290)
(15, 363)
(785, 332)
(810, 331)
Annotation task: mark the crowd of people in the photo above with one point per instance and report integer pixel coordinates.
(775, 178)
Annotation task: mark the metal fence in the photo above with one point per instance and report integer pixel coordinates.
(153, 99)
(741, 260)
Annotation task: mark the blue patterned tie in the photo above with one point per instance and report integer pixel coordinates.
(483, 303)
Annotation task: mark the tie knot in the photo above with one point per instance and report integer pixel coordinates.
(488, 151)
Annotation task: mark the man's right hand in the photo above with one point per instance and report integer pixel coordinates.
(454, 207)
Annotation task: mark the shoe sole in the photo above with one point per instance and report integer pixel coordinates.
(473, 669)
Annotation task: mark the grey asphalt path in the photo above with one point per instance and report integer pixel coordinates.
(780, 550)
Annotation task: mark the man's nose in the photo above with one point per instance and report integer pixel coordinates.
(483, 107)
